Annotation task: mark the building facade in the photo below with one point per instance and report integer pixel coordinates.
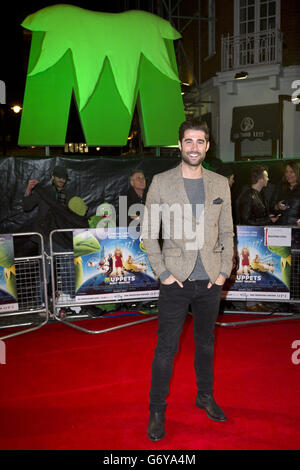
(248, 62)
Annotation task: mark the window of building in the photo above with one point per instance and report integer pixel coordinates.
(257, 149)
(256, 26)
(254, 16)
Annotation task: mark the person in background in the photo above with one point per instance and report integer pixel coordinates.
(136, 193)
(228, 171)
(44, 198)
(289, 206)
(57, 208)
(254, 210)
(289, 197)
(253, 207)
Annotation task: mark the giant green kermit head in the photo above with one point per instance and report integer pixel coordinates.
(93, 36)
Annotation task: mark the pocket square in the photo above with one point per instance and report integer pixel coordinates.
(218, 201)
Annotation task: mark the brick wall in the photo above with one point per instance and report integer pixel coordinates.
(290, 23)
(224, 26)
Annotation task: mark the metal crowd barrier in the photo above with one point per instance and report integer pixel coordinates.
(273, 316)
(32, 311)
(35, 308)
(63, 289)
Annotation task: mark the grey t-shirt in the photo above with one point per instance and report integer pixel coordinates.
(195, 192)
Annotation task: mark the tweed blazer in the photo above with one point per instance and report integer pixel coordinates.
(168, 215)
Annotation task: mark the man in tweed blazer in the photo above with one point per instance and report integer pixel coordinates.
(192, 206)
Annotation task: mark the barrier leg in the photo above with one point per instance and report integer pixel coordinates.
(31, 292)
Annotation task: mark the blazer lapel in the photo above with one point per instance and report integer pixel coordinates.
(208, 188)
(181, 195)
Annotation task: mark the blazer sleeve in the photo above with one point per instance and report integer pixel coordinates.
(246, 216)
(226, 233)
(151, 228)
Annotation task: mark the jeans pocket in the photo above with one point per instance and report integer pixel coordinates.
(169, 285)
(218, 285)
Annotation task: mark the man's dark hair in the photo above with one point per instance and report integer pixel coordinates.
(257, 172)
(133, 172)
(196, 125)
(60, 172)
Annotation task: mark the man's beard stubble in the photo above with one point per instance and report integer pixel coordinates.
(191, 163)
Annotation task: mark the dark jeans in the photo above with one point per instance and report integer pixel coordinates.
(173, 305)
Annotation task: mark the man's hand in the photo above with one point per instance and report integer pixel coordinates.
(282, 206)
(30, 186)
(273, 218)
(170, 280)
(219, 281)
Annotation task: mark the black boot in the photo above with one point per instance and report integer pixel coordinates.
(206, 401)
(156, 426)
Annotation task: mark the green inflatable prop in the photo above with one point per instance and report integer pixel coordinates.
(111, 62)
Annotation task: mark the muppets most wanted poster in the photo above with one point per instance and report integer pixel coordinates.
(8, 287)
(111, 266)
(263, 264)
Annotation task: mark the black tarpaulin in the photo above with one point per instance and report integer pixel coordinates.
(94, 179)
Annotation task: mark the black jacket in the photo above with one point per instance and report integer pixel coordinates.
(133, 198)
(253, 209)
(52, 215)
(292, 200)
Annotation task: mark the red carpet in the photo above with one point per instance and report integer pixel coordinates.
(63, 389)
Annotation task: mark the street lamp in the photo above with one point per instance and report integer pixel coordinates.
(16, 108)
(241, 75)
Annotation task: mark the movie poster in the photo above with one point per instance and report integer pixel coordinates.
(262, 268)
(8, 287)
(111, 266)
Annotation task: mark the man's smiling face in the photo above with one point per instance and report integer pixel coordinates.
(193, 147)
